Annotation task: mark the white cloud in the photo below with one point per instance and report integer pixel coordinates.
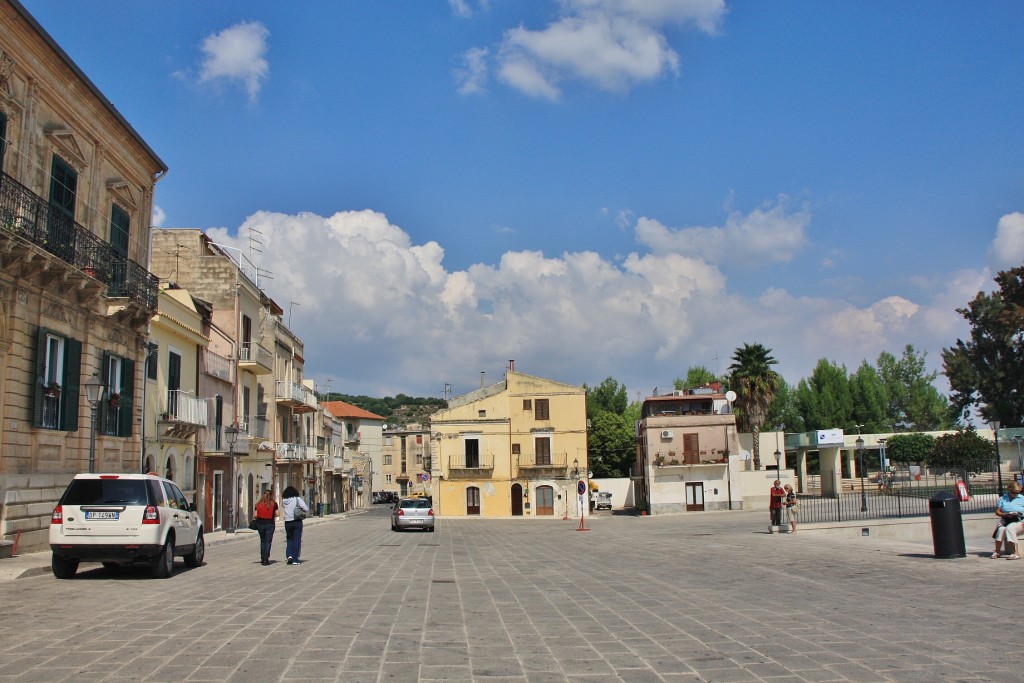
(472, 75)
(380, 314)
(772, 234)
(611, 44)
(1007, 249)
(237, 55)
(158, 217)
(460, 7)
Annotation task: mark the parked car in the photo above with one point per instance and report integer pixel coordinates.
(412, 513)
(603, 500)
(120, 519)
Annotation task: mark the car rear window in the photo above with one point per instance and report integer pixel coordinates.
(418, 503)
(106, 492)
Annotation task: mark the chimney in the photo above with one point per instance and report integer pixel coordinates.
(481, 379)
(512, 365)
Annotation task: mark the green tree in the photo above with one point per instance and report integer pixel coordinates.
(962, 450)
(784, 412)
(869, 400)
(824, 399)
(611, 444)
(987, 371)
(696, 376)
(755, 383)
(609, 396)
(910, 448)
(914, 402)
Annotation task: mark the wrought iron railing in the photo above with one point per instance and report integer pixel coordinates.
(184, 407)
(32, 218)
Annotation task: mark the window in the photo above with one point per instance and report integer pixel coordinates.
(120, 227)
(515, 449)
(173, 382)
(153, 355)
(540, 410)
(527, 405)
(246, 352)
(472, 451)
(60, 223)
(58, 366)
(542, 444)
(419, 439)
(3, 138)
(387, 459)
(387, 478)
(481, 413)
(116, 408)
(691, 444)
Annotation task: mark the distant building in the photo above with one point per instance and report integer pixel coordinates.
(511, 449)
(405, 458)
(362, 437)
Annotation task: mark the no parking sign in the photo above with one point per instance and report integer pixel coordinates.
(581, 487)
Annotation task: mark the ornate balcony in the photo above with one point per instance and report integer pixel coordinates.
(40, 242)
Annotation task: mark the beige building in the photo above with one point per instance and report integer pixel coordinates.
(361, 434)
(76, 197)
(174, 412)
(405, 461)
(514, 448)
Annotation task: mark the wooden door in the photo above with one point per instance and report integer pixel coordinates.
(517, 500)
(545, 500)
(694, 496)
(472, 501)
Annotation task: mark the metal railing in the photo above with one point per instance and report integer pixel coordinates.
(32, 218)
(184, 407)
(252, 352)
(465, 462)
(903, 492)
(554, 460)
(294, 452)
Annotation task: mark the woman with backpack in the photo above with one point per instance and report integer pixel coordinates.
(295, 510)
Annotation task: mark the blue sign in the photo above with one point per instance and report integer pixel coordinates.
(581, 487)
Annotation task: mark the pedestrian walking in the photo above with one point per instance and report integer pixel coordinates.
(792, 505)
(295, 510)
(266, 516)
(777, 495)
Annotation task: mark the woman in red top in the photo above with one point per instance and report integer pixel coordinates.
(266, 512)
(775, 505)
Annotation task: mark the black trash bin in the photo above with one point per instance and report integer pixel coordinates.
(947, 526)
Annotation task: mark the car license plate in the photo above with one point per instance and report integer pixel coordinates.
(96, 514)
(416, 521)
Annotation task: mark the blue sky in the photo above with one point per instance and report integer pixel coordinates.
(594, 188)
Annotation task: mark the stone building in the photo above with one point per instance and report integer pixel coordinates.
(76, 197)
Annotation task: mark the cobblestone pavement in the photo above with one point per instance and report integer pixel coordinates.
(708, 597)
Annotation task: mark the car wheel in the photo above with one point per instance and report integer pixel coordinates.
(64, 567)
(163, 563)
(195, 558)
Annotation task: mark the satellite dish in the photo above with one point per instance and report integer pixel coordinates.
(730, 396)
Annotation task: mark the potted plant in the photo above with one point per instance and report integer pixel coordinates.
(114, 400)
(659, 460)
(52, 390)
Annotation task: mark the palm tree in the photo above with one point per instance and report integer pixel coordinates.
(755, 382)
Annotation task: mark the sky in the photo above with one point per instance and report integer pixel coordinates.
(592, 188)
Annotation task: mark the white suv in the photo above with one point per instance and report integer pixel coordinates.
(124, 518)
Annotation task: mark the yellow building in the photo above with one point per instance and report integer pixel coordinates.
(514, 448)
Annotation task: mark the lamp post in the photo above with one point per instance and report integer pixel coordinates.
(860, 454)
(999, 462)
(881, 455)
(231, 435)
(1020, 463)
(93, 394)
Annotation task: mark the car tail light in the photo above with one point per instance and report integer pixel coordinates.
(401, 512)
(58, 515)
(109, 476)
(430, 512)
(151, 515)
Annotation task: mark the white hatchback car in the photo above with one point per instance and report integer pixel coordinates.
(122, 519)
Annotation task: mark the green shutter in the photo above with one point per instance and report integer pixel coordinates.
(104, 378)
(72, 384)
(124, 428)
(40, 379)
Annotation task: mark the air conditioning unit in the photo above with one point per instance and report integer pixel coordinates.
(666, 433)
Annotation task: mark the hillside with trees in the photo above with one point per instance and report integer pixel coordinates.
(400, 410)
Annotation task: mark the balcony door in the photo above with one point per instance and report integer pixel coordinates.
(472, 451)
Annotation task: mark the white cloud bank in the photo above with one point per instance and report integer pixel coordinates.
(381, 315)
(237, 55)
(609, 44)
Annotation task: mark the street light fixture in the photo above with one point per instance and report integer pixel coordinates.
(93, 394)
(999, 462)
(576, 468)
(860, 454)
(231, 435)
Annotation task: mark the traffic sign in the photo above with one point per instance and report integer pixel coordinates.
(581, 487)
(424, 477)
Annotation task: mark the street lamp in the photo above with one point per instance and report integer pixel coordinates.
(999, 462)
(576, 468)
(860, 454)
(231, 435)
(93, 394)
(881, 456)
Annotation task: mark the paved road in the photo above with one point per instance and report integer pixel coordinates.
(684, 598)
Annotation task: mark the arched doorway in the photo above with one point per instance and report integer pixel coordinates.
(473, 501)
(545, 499)
(517, 500)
